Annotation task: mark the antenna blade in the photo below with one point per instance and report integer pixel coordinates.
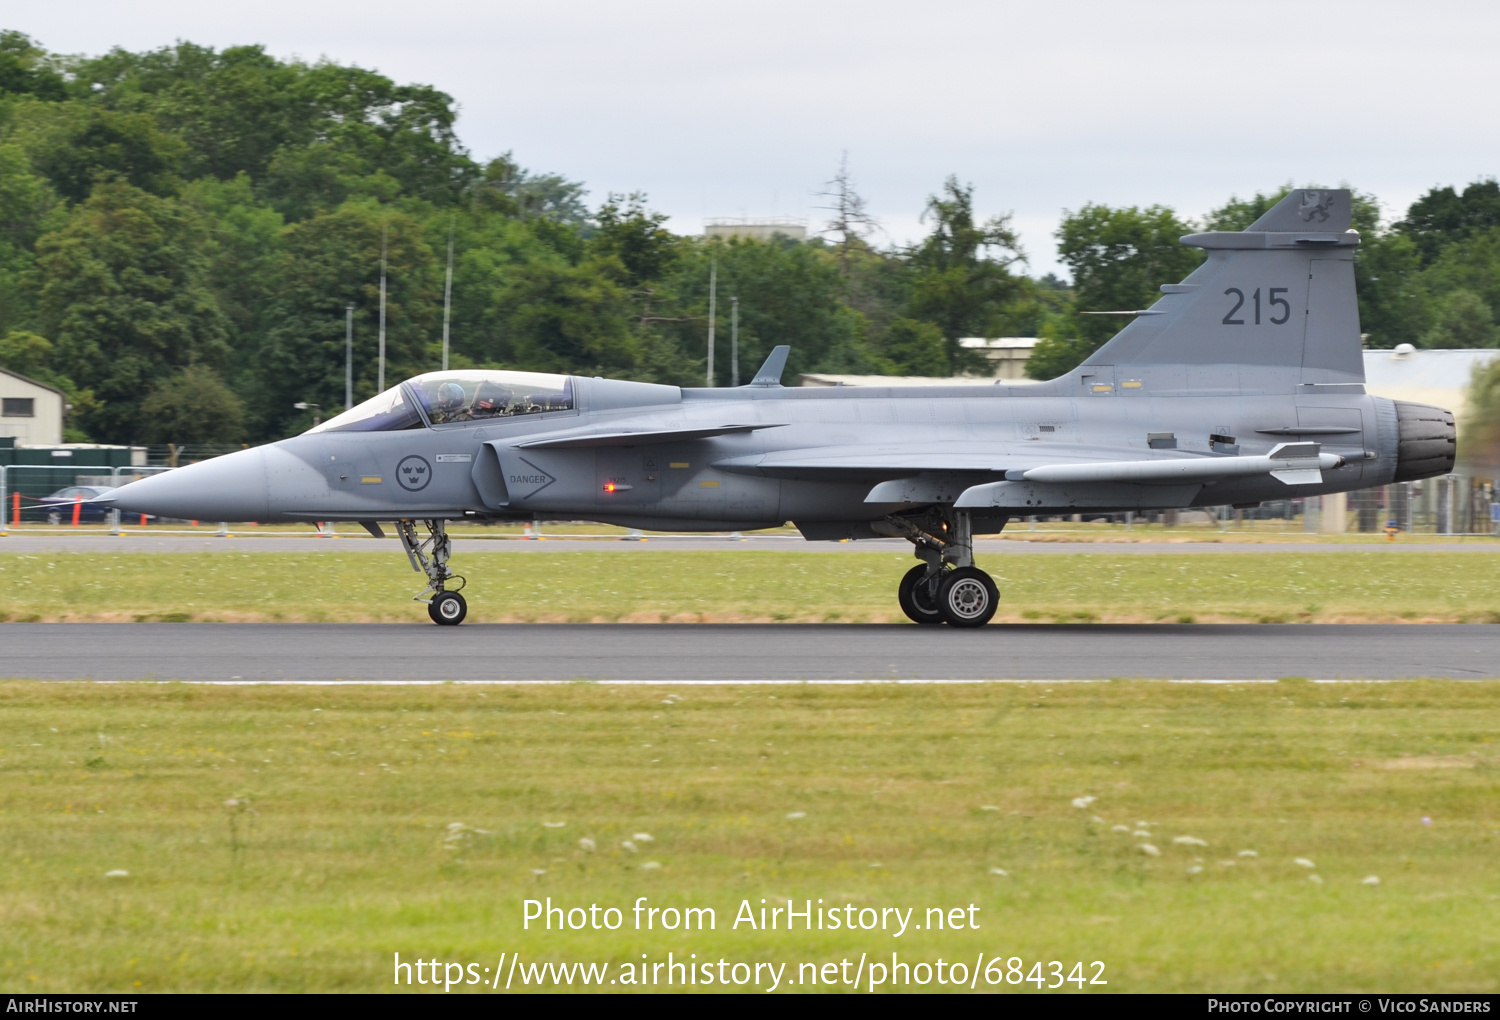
(770, 372)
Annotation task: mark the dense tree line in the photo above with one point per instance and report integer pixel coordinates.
(182, 230)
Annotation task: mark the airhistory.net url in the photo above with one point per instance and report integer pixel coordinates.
(511, 972)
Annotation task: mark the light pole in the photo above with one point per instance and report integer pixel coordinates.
(317, 411)
(448, 291)
(713, 296)
(349, 355)
(734, 341)
(380, 372)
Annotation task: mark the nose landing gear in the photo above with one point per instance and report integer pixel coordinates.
(946, 587)
(430, 556)
(448, 608)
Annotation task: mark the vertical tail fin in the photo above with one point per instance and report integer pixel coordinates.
(1272, 307)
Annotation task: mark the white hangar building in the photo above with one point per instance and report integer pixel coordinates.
(31, 413)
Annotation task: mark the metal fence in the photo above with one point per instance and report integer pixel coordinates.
(1462, 503)
(183, 454)
(23, 486)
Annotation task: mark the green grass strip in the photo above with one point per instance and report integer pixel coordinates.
(651, 586)
(293, 839)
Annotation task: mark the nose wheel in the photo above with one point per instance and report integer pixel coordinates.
(448, 608)
(430, 556)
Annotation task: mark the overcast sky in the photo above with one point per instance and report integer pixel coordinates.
(735, 108)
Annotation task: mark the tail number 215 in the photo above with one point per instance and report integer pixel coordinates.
(1273, 298)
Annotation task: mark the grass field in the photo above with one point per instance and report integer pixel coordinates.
(295, 838)
(651, 586)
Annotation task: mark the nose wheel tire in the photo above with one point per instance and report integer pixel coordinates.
(916, 597)
(448, 608)
(967, 597)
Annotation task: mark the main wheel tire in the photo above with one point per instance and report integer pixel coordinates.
(448, 608)
(967, 597)
(915, 596)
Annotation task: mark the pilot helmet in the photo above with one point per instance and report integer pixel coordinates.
(450, 396)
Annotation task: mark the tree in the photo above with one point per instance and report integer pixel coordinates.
(325, 263)
(367, 137)
(1119, 258)
(507, 186)
(490, 248)
(242, 251)
(1464, 320)
(74, 146)
(125, 297)
(25, 353)
(25, 69)
(28, 208)
(629, 233)
(1479, 432)
(850, 221)
(566, 318)
(912, 347)
(961, 277)
(627, 230)
(233, 109)
(789, 294)
(1443, 216)
(1471, 262)
(193, 406)
(1394, 302)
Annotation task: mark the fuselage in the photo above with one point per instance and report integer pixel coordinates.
(808, 455)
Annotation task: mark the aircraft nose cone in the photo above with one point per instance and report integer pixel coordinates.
(227, 488)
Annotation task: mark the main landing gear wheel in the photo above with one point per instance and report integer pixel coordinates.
(967, 597)
(916, 596)
(448, 608)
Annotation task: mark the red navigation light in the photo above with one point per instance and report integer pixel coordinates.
(609, 486)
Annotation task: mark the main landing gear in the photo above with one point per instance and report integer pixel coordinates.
(945, 587)
(430, 556)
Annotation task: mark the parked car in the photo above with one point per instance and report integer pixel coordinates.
(59, 506)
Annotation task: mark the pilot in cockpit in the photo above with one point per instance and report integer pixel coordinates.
(450, 402)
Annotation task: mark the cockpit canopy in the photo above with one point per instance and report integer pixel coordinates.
(479, 394)
(390, 411)
(445, 398)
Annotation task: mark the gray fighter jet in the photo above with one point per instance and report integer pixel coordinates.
(1242, 383)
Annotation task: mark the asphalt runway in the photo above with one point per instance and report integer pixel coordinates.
(135, 542)
(740, 653)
